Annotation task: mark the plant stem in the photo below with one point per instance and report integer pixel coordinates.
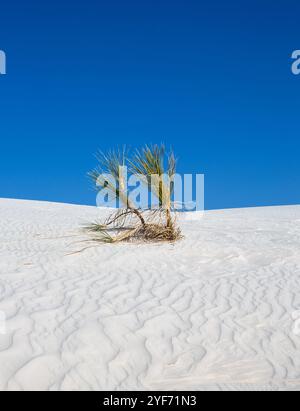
(139, 215)
(169, 218)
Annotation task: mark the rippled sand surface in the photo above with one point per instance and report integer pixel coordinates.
(219, 310)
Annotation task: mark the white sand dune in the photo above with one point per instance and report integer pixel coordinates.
(215, 311)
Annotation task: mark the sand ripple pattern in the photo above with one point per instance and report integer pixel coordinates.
(214, 311)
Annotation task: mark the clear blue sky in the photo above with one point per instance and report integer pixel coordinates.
(211, 78)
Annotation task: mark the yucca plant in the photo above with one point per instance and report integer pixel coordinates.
(159, 169)
(156, 169)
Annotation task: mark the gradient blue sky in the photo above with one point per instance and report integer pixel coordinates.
(211, 78)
